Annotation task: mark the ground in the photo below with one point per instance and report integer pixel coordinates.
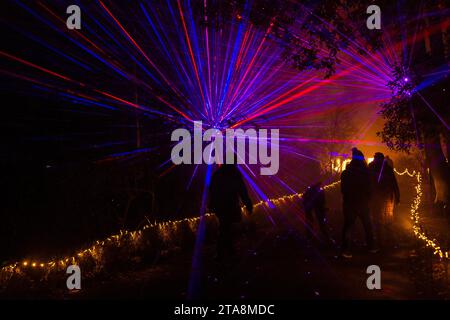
(274, 261)
(276, 266)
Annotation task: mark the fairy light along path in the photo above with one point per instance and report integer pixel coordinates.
(164, 230)
(418, 229)
(123, 238)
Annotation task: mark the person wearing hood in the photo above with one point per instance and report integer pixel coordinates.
(386, 195)
(356, 193)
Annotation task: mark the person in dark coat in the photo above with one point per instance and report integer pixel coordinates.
(386, 195)
(226, 190)
(356, 193)
(314, 203)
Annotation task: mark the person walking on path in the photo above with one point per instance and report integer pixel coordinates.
(356, 193)
(226, 190)
(314, 203)
(385, 195)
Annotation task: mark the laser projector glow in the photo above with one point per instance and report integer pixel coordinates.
(213, 152)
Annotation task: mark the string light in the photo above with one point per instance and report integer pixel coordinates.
(166, 228)
(289, 196)
(418, 230)
(123, 238)
(406, 171)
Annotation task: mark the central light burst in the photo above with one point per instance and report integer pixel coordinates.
(163, 61)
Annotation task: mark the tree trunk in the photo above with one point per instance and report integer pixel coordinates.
(445, 144)
(439, 169)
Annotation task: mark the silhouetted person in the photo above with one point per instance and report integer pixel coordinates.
(356, 192)
(385, 194)
(226, 189)
(314, 203)
(389, 162)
